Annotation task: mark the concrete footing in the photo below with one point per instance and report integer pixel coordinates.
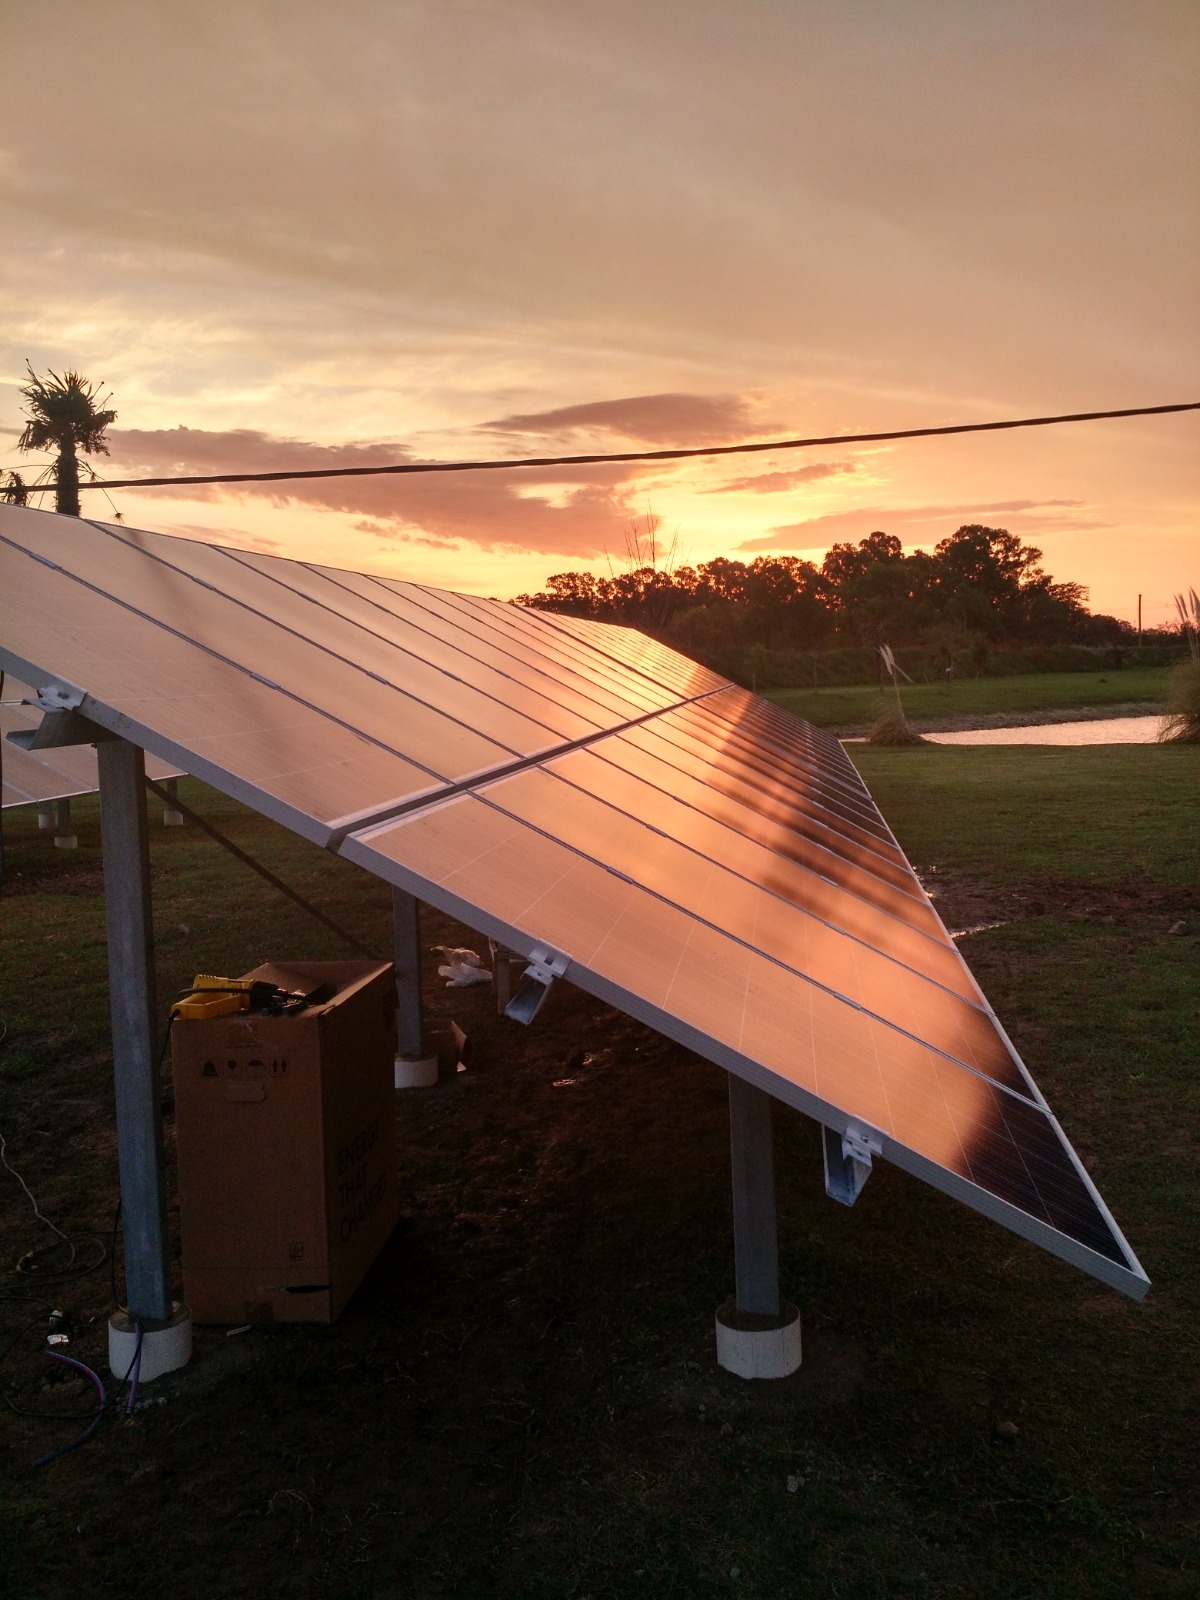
(164, 1349)
(64, 839)
(750, 1346)
(416, 1072)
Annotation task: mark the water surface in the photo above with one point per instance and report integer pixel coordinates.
(1107, 730)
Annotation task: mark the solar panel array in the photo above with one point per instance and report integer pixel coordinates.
(705, 861)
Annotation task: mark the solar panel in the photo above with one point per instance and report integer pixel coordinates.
(698, 857)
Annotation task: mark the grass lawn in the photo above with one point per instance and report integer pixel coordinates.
(522, 1401)
(1034, 693)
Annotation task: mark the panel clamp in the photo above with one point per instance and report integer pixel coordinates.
(848, 1158)
(58, 697)
(545, 964)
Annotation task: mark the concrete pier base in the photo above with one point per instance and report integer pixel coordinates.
(758, 1347)
(166, 1346)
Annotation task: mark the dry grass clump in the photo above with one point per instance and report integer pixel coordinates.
(1181, 724)
(893, 728)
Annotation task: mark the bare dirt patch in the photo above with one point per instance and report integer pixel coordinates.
(964, 902)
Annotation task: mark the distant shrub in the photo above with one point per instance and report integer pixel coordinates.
(1181, 725)
(893, 727)
(762, 667)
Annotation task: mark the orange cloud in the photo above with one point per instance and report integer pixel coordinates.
(655, 419)
(586, 517)
(777, 482)
(924, 524)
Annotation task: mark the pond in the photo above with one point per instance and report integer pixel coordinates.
(1107, 730)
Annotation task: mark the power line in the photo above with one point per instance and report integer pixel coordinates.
(404, 468)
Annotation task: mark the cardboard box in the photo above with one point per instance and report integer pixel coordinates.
(287, 1147)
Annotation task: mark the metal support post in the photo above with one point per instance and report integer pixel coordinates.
(758, 1334)
(755, 1247)
(46, 815)
(171, 817)
(63, 837)
(406, 911)
(125, 842)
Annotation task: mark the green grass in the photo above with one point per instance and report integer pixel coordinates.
(1094, 813)
(521, 1403)
(1036, 693)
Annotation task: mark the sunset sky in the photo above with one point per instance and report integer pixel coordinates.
(300, 233)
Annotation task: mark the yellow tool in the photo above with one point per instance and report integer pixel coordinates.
(213, 997)
(216, 1003)
(210, 996)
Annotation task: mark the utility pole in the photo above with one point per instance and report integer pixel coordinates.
(1139, 622)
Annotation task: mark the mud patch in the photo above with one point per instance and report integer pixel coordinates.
(966, 902)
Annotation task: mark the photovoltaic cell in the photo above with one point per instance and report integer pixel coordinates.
(753, 766)
(485, 643)
(842, 789)
(489, 666)
(706, 889)
(454, 683)
(705, 861)
(440, 717)
(641, 654)
(775, 803)
(192, 707)
(756, 857)
(532, 631)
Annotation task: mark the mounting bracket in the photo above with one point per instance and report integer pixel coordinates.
(61, 725)
(847, 1158)
(545, 964)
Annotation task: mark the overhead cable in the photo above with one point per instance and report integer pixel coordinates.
(405, 468)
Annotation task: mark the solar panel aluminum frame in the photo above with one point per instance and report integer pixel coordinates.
(1131, 1280)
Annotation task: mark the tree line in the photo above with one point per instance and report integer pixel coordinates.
(981, 590)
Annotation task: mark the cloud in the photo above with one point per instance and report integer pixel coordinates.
(655, 419)
(581, 512)
(778, 482)
(925, 524)
(168, 452)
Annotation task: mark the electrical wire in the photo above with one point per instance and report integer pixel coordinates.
(94, 1418)
(135, 1369)
(27, 1263)
(73, 1269)
(256, 866)
(54, 1228)
(23, 1411)
(44, 1461)
(404, 468)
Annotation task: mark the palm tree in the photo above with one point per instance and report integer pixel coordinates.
(15, 491)
(65, 414)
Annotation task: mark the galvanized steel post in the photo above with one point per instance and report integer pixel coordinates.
(125, 842)
(406, 911)
(755, 1245)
